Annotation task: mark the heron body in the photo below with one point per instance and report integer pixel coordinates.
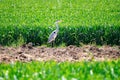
(53, 35)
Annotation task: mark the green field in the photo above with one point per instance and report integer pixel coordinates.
(84, 21)
(72, 12)
(107, 70)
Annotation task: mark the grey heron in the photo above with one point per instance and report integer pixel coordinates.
(53, 35)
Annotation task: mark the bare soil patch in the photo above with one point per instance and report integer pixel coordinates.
(26, 53)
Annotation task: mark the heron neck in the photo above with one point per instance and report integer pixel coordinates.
(57, 27)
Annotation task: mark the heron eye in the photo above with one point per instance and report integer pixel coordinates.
(54, 32)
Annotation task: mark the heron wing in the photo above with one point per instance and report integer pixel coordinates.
(52, 36)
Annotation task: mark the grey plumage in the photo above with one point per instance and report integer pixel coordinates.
(53, 35)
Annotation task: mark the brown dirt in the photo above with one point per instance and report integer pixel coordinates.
(26, 53)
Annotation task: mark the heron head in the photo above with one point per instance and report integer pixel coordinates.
(58, 21)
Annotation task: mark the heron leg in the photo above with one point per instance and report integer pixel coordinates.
(52, 43)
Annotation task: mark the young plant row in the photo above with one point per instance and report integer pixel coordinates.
(109, 70)
(70, 35)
